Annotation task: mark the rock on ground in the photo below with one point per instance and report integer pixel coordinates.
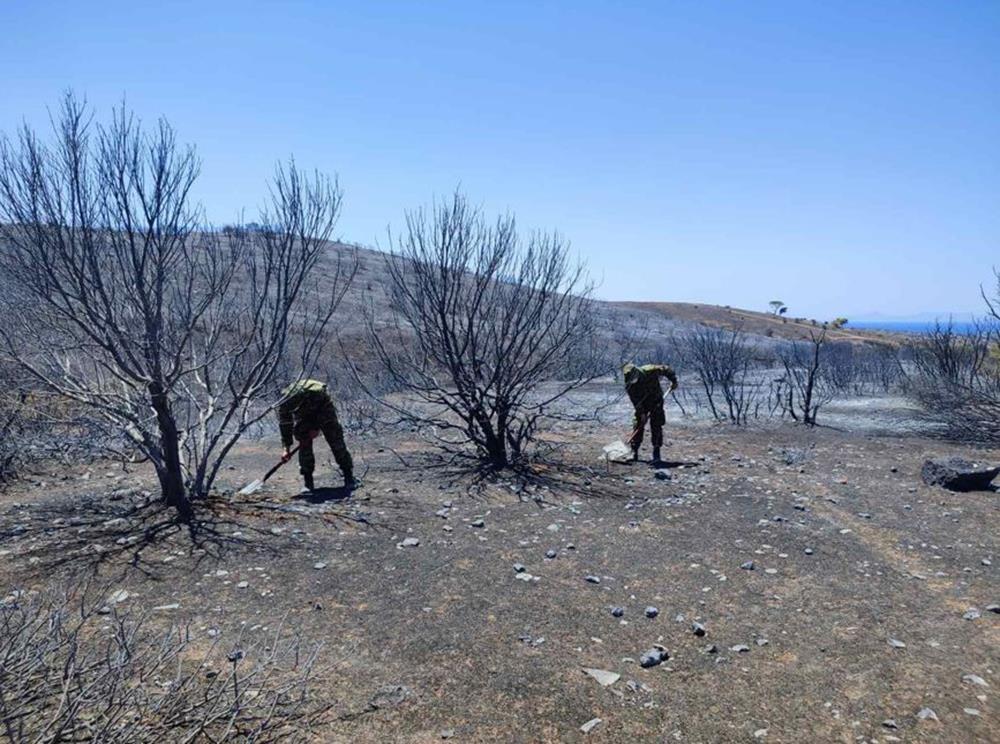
(957, 474)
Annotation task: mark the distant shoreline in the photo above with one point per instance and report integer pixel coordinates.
(911, 327)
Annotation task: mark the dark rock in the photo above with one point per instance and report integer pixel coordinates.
(592, 579)
(698, 629)
(957, 474)
(748, 566)
(653, 657)
(617, 611)
(662, 474)
(652, 612)
(551, 554)
(519, 567)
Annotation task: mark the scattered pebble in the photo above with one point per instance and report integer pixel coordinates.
(408, 542)
(926, 714)
(592, 579)
(603, 677)
(975, 679)
(653, 657)
(652, 612)
(589, 725)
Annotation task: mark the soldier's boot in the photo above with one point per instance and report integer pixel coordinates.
(635, 454)
(656, 454)
(307, 478)
(350, 482)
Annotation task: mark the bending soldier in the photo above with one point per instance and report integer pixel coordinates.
(643, 387)
(306, 410)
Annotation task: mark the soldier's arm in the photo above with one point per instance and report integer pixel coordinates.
(665, 370)
(286, 423)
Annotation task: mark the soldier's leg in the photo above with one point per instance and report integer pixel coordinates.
(657, 419)
(307, 459)
(638, 424)
(333, 432)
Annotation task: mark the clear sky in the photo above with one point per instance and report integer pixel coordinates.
(841, 156)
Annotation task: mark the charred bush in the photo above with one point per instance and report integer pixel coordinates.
(72, 669)
(487, 331)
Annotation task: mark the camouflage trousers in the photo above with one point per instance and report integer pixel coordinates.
(656, 418)
(323, 419)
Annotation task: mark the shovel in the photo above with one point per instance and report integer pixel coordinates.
(618, 451)
(259, 483)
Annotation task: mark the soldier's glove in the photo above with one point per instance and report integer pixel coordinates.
(286, 454)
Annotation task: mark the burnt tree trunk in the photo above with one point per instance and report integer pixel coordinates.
(169, 470)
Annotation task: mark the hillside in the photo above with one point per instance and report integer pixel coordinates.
(371, 287)
(756, 323)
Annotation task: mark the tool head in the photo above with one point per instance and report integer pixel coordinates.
(252, 488)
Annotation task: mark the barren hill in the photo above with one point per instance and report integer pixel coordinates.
(371, 286)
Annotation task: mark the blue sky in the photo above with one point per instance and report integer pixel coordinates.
(843, 157)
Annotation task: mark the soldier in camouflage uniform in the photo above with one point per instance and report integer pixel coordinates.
(306, 410)
(643, 387)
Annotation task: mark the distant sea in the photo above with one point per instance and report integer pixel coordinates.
(901, 326)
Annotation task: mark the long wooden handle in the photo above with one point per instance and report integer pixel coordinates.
(281, 462)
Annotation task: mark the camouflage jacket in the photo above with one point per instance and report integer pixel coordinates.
(303, 402)
(643, 383)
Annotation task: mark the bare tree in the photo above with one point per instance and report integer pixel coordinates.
(70, 674)
(863, 369)
(724, 361)
(488, 331)
(125, 303)
(805, 384)
(956, 380)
